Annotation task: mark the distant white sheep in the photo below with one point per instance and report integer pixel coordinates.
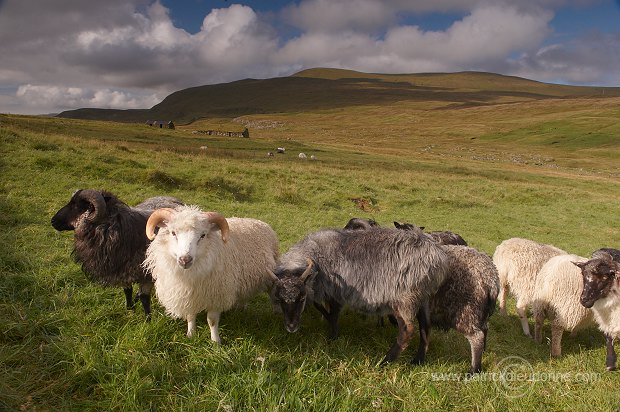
(518, 262)
(302, 155)
(558, 288)
(203, 261)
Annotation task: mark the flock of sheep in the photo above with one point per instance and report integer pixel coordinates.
(202, 261)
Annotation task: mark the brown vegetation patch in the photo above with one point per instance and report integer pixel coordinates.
(365, 204)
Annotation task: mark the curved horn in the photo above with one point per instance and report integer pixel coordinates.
(158, 216)
(96, 199)
(272, 276)
(220, 221)
(308, 270)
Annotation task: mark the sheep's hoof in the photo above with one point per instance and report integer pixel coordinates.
(611, 368)
(417, 361)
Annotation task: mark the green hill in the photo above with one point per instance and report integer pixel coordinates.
(323, 89)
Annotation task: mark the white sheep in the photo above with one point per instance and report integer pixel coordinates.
(558, 288)
(518, 262)
(601, 292)
(203, 261)
(302, 155)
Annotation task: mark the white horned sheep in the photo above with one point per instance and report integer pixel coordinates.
(109, 239)
(601, 292)
(518, 262)
(557, 290)
(204, 261)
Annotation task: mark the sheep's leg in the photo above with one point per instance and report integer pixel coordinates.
(610, 361)
(476, 341)
(129, 297)
(424, 324)
(191, 325)
(522, 312)
(405, 331)
(539, 316)
(334, 313)
(145, 298)
(556, 340)
(214, 320)
(322, 309)
(503, 291)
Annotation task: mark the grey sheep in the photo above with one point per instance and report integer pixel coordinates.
(466, 299)
(379, 271)
(444, 237)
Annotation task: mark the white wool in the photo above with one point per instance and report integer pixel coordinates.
(518, 262)
(558, 288)
(607, 311)
(222, 275)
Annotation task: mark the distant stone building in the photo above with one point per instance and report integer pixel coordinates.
(160, 124)
(245, 133)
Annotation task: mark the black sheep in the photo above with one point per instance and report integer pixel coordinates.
(110, 239)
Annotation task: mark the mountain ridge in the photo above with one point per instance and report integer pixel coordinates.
(325, 88)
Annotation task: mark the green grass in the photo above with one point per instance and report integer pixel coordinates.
(485, 173)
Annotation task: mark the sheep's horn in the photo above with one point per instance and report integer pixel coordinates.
(220, 221)
(308, 270)
(273, 276)
(96, 199)
(158, 216)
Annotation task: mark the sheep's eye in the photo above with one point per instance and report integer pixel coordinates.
(203, 235)
(173, 233)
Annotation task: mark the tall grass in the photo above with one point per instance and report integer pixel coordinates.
(66, 344)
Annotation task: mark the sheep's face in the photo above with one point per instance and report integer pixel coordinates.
(185, 237)
(187, 234)
(185, 240)
(290, 292)
(74, 213)
(599, 276)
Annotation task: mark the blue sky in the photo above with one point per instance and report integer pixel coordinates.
(132, 53)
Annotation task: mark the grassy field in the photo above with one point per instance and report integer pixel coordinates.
(546, 170)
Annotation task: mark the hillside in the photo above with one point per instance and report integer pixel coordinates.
(324, 89)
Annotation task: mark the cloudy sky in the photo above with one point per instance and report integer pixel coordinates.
(57, 55)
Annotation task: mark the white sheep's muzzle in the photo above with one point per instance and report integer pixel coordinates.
(185, 261)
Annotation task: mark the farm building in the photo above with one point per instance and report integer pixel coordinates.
(160, 123)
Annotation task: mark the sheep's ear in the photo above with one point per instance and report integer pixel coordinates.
(397, 225)
(580, 265)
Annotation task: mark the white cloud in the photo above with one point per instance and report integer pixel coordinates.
(591, 59)
(38, 98)
(128, 53)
